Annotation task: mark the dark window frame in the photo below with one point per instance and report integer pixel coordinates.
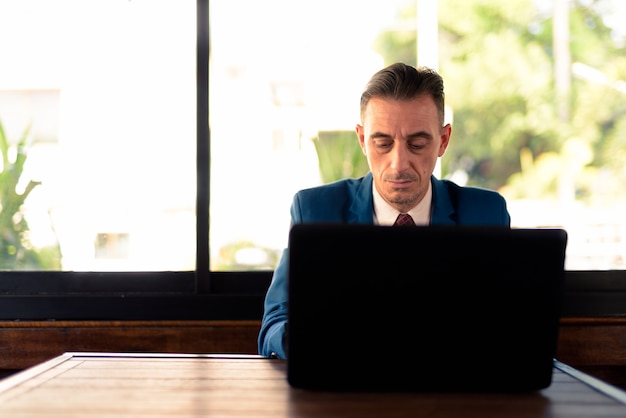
(207, 295)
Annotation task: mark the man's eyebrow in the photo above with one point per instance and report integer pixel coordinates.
(420, 134)
(379, 134)
(414, 135)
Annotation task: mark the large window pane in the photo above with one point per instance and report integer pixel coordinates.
(535, 92)
(107, 90)
(281, 72)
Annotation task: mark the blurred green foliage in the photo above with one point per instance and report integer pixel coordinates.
(16, 250)
(339, 155)
(497, 61)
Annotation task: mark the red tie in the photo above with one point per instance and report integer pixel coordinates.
(404, 219)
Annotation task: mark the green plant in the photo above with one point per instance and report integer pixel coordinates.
(16, 251)
(339, 155)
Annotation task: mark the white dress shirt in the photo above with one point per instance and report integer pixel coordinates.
(384, 214)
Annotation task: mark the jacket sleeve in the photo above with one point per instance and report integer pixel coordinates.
(330, 203)
(274, 323)
(273, 333)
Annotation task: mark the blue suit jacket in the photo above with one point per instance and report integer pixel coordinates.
(351, 201)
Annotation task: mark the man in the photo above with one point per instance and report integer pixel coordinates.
(402, 134)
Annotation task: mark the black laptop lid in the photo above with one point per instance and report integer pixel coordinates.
(423, 308)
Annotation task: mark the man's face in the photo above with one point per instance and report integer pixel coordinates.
(402, 141)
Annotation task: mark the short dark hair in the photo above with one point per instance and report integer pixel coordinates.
(400, 81)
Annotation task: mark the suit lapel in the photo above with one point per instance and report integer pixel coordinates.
(443, 210)
(362, 208)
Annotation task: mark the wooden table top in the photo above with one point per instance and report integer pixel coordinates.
(100, 385)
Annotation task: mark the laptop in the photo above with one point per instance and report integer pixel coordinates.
(433, 308)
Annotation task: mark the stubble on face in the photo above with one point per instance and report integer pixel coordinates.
(401, 198)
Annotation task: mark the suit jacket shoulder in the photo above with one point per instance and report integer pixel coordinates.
(344, 201)
(464, 205)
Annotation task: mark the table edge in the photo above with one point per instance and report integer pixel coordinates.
(27, 374)
(595, 383)
(89, 354)
(20, 377)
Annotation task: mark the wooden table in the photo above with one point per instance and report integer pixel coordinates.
(97, 385)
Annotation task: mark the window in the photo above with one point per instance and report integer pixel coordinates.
(144, 213)
(521, 124)
(106, 93)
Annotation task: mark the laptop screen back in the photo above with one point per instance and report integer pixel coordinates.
(423, 308)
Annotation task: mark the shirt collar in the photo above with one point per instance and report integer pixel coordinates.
(384, 214)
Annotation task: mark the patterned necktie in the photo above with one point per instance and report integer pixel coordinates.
(404, 219)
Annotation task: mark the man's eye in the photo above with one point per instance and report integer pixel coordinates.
(417, 146)
(383, 144)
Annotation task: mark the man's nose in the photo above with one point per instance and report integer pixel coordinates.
(399, 157)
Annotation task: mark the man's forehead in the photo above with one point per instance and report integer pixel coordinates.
(418, 110)
(418, 104)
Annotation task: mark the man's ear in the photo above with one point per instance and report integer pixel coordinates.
(361, 135)
(446, 132)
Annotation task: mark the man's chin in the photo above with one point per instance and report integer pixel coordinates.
(402, 199)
